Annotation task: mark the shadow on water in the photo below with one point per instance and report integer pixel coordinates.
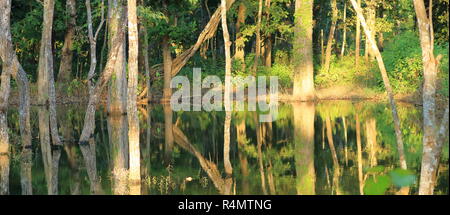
(335, 147)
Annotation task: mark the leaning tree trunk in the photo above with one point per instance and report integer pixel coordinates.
(303, 52)
(334, 18)
(387, 85)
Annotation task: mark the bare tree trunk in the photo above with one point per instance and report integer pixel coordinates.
(65, 68)
(11, 66)
(93, 43)
(133, 120)
(258, 38)
(303, 53)
(358, 37)
(167, 58)
(387, 85)
(227, 94)
(345, 30)
(334, 18)
(268, 39)
(431, 146)
(239, 42)
(117, 87)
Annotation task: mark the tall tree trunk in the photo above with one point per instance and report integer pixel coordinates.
(387, 85)
(358, 37)
(133, 120)
(168, 133)
(344, 37)
(304, 148)
(65, 68)
(11, 66)
(334, 18)
(303, 53)
(167, 61)
(93, 43)
(258, 38)
(431, 146)
(117, 87)
(227, 94)
(240, 44)
(268, 39)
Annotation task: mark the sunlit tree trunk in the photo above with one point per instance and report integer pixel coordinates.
(227, 94)
(133, 120)
(387, 85)
(344, 37)
(65, 68)
(303, 53)
(334, 18)
(118, 84)
(431, 145)
(304, 114)
(358, 37)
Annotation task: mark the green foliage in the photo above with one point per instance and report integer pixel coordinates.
(344, 72)
(403, 59)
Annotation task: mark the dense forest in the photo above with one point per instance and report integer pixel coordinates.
(71, 69)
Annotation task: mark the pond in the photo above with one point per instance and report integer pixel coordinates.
(327, 148)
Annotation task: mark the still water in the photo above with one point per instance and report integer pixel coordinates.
(327, 148)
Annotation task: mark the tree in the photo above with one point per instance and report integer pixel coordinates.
(432, 140)
(227, 93)
(358, 37)
(65, 68)
(303, 53)
(387, 85)
(133, 120)
(334, 18)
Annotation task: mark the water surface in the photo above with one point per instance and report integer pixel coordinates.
(336, 147)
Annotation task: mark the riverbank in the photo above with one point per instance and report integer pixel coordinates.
(354, 93)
